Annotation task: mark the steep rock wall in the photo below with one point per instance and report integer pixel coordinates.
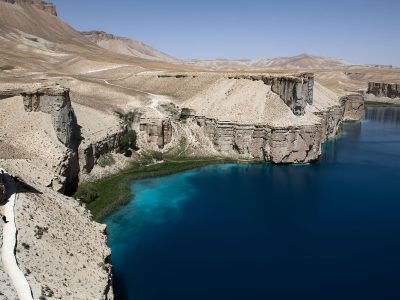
(290, 144)
(90, 153)
(55, 101)
(156, 131)
(378, 89)
(354, 107)
(293, 144)
(296, 91)
(3, 191)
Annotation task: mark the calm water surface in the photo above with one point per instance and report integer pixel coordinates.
(329, 230)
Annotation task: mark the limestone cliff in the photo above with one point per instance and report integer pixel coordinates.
(354, 107)
(55, 101)
(296, 140)
(90, 152)
(389, 90)
(295, 91)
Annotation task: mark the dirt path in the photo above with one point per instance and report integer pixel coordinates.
(11, 267)
(155, 99)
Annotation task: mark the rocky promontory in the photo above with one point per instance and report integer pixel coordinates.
(276, 118)
(379, 89)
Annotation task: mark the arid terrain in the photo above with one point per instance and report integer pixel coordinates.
(59, 90)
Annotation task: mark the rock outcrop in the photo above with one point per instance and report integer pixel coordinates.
(156, 131)
(90, 153)
(263, 142)
(3, 191)
(296, 91)
(389, 90)
(354, 107)
(54, 100)
(42, 5)
(292, 144)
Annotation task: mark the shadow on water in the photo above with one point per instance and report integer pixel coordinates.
(352, 132)
(388, 115)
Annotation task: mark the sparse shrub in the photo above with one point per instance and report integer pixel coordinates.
(32, 39)
(26, 246)
(6, 67)
(86, 194)
(46, 292)
(106, 160)
(39, 231)
(185, 113)
(127, 142)
(127, 118)
(157, 155)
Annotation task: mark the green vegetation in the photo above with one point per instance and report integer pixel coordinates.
(86, 193)
(106, 160)
(6, 67)
(382, 104)
(105, 195)
(127, 142)
(127, 118)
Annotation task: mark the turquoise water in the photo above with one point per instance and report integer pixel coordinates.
(328, 230)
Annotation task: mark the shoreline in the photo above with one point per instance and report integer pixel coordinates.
(104, 195)
(113, 191)
(117, 186)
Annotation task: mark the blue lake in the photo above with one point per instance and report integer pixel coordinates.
(328, 230)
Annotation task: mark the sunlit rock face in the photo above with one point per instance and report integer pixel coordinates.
(42, 5)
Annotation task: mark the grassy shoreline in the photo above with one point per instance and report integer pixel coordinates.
(382, 104)
(114, 191)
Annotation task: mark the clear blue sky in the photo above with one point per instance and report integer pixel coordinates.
(358, 31)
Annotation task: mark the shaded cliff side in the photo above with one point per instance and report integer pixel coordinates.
(55, 101)
(291, 142)
(379, 89)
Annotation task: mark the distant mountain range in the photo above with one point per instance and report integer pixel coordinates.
(33, 26)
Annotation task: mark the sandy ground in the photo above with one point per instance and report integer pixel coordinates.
(10, 264)
(28, 142)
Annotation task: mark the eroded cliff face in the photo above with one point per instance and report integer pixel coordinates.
(89, 153)
(295, 91)
(3, 192)
(55, 101)
(259, 141)
(354, 107)
(379, 89)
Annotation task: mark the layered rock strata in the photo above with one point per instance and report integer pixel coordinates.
(296, 91)
(389, 90)
(354, 107)
(289, 144)
(89, 153)
(55, 101)
(156, 131)
(277, 144)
